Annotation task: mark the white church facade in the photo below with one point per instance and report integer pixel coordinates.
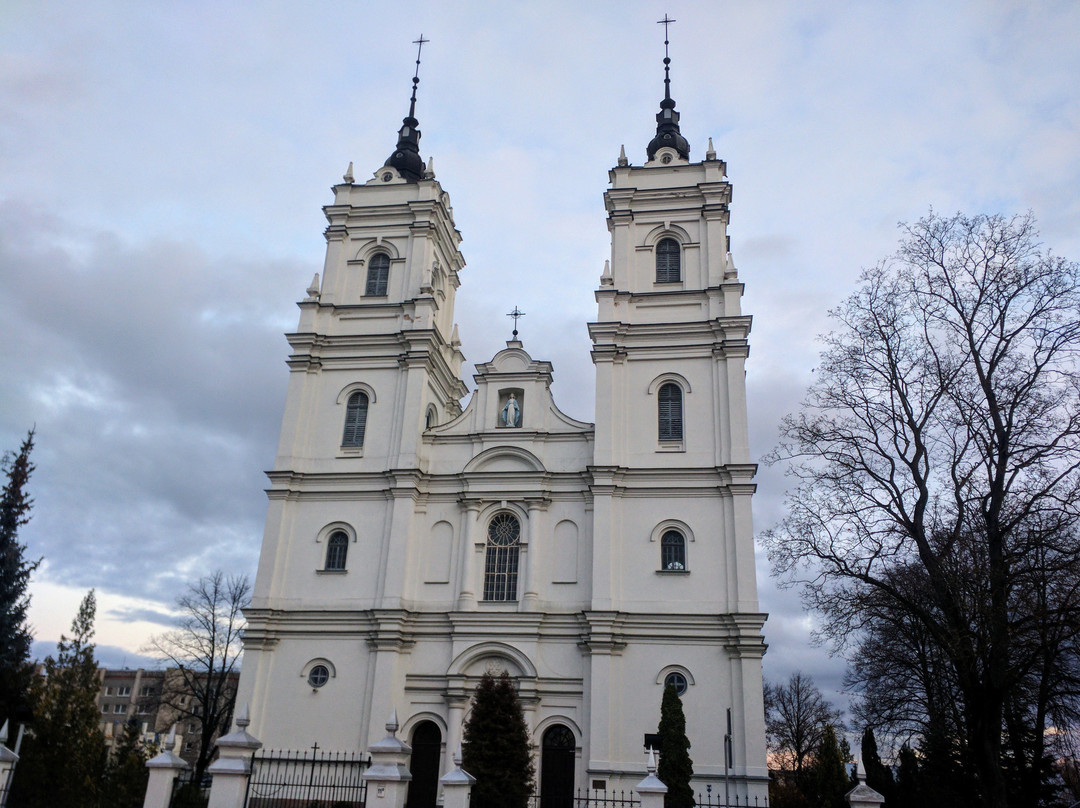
(413, 543)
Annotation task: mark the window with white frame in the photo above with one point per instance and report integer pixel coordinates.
(355, 419)
(337, 549)
(668, 261)
(378, 276)
(670, 413)
(501, 560)
(123, 691)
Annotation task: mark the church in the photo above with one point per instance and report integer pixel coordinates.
(419, 535)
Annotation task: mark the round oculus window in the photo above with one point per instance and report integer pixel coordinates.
(677, 681)
(318, 676)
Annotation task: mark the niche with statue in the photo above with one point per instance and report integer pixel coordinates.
(511, 408)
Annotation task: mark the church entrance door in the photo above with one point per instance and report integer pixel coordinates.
(557, 768)
(424, 764)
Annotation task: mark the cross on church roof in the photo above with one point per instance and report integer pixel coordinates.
(516, 314)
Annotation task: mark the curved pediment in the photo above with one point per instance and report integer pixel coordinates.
(505, 459)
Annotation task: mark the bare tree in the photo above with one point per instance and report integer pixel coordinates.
(796, 715)
(938, 454)
(202, 654)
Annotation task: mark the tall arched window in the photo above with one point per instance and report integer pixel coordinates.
(668, 263)
(673, 551)
(670, 413)
(355, 420)
(501, 562)
(337, 548)
(378, 275)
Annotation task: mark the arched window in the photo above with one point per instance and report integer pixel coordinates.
(668, 261)
(501, 562)
(378, 275)
(431, 418)
(673, 551)
(355, 419)
(337, 548)
(669, 407)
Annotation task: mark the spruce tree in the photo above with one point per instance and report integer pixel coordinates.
(15, 570)
(675, 768)
(63, 760)
(496, 746)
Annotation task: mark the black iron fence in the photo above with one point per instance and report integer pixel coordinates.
(717, 800)
(587, 798)
(188, 794)
(307, 780)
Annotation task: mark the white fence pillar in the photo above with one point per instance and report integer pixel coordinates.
(457, 785)
(233, 767)
(8, 759)
(164, 769)
(651, 789)
(388, 775)
(862, 796)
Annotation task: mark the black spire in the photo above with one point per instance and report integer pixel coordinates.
(406, 157)
(667, 119)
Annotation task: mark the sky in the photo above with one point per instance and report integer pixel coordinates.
(163, 167)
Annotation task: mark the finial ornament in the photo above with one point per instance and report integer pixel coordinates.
(392, 724)
(667, 119)
(622, 156)
(406, 157)
(348, 176)
(710, 153)
(516, 314)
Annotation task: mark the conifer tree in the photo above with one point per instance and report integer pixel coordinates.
(878, 776)
(830, 777)
(63, 761)
(127, 775)
(15, 570)
(675, 768)
(496, 746)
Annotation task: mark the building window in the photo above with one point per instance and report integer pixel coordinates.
(668, 263)
(677, 681)
(146, 690)
(123, 691)
(318, 676)
(108, 691)
(120, 709)
(501, 563)
(673, 551)
(378, 275)
(670, 412)
(104, 708)
(355, 420)
(337, 548)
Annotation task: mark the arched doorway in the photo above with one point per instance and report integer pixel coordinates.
(424, 764)
(557, 767)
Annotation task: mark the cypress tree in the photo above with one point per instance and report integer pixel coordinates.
(496, 746)
(15, 570)
(878, 776)
(127, 775)
(675, 768)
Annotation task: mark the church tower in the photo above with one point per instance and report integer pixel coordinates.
(413, 543)
(673, 552)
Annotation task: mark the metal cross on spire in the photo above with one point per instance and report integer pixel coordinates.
(516, 314)
(667, 21)
(416, 76)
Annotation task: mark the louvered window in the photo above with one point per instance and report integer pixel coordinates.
(670, 413)
(378, 275)
(668, 264)
(673, 551)
(501, 562)
(337, 548)
(355, 420)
